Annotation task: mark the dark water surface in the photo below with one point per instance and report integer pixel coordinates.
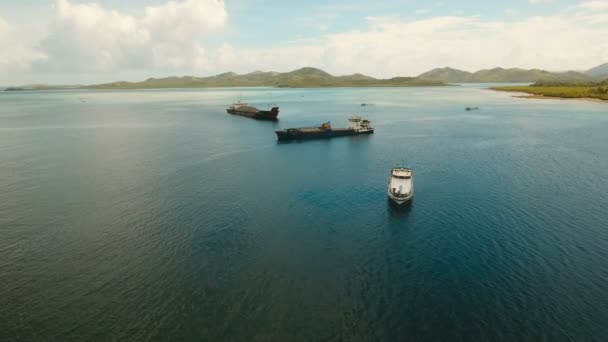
(153, 215)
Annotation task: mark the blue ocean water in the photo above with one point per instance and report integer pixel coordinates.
(154, 215)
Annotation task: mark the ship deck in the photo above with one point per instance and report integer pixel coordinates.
(401, 173)
(314, 129)
(401, 186)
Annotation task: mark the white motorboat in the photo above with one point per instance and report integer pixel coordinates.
(401, 185)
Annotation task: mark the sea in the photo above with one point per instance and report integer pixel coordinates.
(153, 215)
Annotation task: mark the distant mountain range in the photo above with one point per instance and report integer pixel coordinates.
(500, 75)
(301, 78)
(312, 77)
(600, 71)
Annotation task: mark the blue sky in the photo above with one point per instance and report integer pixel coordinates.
(88, 41)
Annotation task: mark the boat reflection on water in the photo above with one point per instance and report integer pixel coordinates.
(399, 209)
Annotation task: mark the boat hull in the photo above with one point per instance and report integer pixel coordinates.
(295, 134)
(400, 200)
(270, 115)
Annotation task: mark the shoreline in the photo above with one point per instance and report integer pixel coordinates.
(532, 96)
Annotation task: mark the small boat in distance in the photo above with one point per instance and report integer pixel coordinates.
(468, 109)
(243, 109)
(401, 185)
(356, 126)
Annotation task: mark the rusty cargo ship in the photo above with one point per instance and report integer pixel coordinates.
(357, 126)
(244, 109)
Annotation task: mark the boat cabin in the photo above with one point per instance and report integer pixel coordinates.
(400, 186)
(401, 173)
(359, 124)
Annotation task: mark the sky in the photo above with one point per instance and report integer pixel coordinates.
(94, 41)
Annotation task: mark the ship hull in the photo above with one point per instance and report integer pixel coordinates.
(287, 135)
(400, 200)
(270, 115)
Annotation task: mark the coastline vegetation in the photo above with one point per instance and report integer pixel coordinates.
(591, 90)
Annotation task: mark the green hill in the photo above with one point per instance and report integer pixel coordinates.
(566, 77)
(600, 71)
(500, 75)
(301, 78)
(593, 90)
(446, 75)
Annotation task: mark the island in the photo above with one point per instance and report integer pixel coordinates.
(512, 75)
(309, 77)
(571, 90)
(42, 87)
(559, 84)
(301, 78)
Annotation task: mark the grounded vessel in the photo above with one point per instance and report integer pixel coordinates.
(356, 126)
(401, 185)
(244, 109)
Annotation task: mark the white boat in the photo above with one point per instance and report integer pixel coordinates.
(401, 185)
(360, 125)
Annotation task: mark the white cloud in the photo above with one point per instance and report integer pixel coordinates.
(15, 55)
(595, 5)
(572, 39)
(90, 37)
(593, 12)
(170, 38)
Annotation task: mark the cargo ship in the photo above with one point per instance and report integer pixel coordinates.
(243, 109)
(356, 126)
